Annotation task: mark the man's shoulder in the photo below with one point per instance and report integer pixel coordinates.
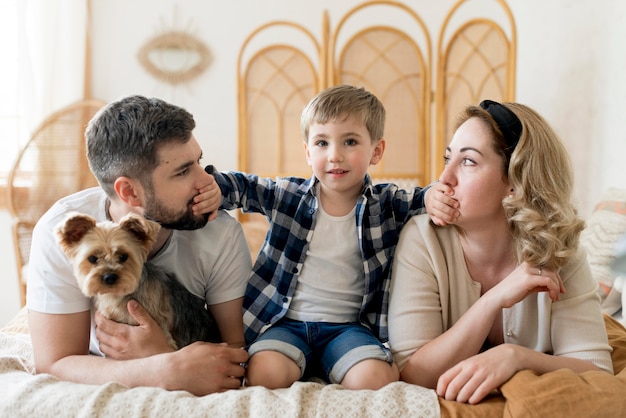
(224, 219)
(84, 201)
(224, 224)
(89, 201)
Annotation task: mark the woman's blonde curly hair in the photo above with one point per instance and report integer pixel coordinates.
(542, 218)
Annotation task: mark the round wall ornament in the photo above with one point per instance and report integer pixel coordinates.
(175, 57)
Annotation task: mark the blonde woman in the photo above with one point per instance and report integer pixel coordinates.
(507, 287)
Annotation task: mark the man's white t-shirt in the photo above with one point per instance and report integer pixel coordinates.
(213, 262)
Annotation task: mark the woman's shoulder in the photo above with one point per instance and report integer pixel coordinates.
(577, 266)
(426, 227)
(420, 231)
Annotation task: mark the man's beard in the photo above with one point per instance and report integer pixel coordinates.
(187, 221)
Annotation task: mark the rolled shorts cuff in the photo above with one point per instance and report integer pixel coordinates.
(356, 355)
(282, 347)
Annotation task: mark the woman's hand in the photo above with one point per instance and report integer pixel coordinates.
(474, 378)
(525, 280)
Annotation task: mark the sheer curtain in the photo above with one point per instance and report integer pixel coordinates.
(46, 65)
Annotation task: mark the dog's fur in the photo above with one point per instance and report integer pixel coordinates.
(109, 262)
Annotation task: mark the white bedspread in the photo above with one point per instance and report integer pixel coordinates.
(23, 394)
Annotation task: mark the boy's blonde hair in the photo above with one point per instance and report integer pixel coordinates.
(341, 102)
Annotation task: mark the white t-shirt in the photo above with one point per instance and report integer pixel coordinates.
(213, 262)
(331, 286)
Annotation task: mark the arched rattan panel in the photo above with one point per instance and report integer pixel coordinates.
(51, 165)
(275, 84)
(476, 63)
(388, 61)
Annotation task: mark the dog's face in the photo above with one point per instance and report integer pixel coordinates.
(107, 257)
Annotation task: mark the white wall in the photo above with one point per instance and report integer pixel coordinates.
(571, 68)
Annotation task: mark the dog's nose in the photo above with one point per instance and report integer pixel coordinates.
(109, 278)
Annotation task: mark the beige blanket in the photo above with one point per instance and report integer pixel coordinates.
(561, 393)
(23, 394)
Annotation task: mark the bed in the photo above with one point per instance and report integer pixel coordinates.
(560, 393)
(526, 394)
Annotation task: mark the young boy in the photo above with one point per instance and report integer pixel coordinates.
(315, 304)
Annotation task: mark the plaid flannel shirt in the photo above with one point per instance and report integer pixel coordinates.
(290, 206)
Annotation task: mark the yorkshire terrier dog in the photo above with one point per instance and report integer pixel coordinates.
(109, 262)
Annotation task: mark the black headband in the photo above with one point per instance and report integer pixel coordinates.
(507, 121)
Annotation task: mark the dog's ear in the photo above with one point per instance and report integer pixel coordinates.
(144, 230)
(73, 229)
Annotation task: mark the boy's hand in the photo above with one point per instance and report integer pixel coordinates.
(440, 205)
(208, 199)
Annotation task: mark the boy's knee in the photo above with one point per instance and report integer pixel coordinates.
(272, 370)
(371, 374)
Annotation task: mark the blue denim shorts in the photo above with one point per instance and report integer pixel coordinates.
(321, 349)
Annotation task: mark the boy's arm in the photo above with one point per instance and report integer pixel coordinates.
(440, 205)
(247, 192)
(229, 320)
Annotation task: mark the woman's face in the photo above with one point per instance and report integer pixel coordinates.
(474, 170)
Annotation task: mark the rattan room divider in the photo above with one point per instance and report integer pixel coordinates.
(51, 165)
(282, 65)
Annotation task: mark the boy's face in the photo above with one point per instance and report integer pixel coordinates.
(340, 153)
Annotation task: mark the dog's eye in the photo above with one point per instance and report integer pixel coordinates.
(123, 257)
(92, 259)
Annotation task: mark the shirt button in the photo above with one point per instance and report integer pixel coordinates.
(509, 333)
(285, 299)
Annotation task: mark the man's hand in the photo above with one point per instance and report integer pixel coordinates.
(440, 205)
(124, 342)
(202, 368)
(208, 199)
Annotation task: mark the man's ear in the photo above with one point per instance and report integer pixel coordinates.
(129, 191)
(379, 150)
